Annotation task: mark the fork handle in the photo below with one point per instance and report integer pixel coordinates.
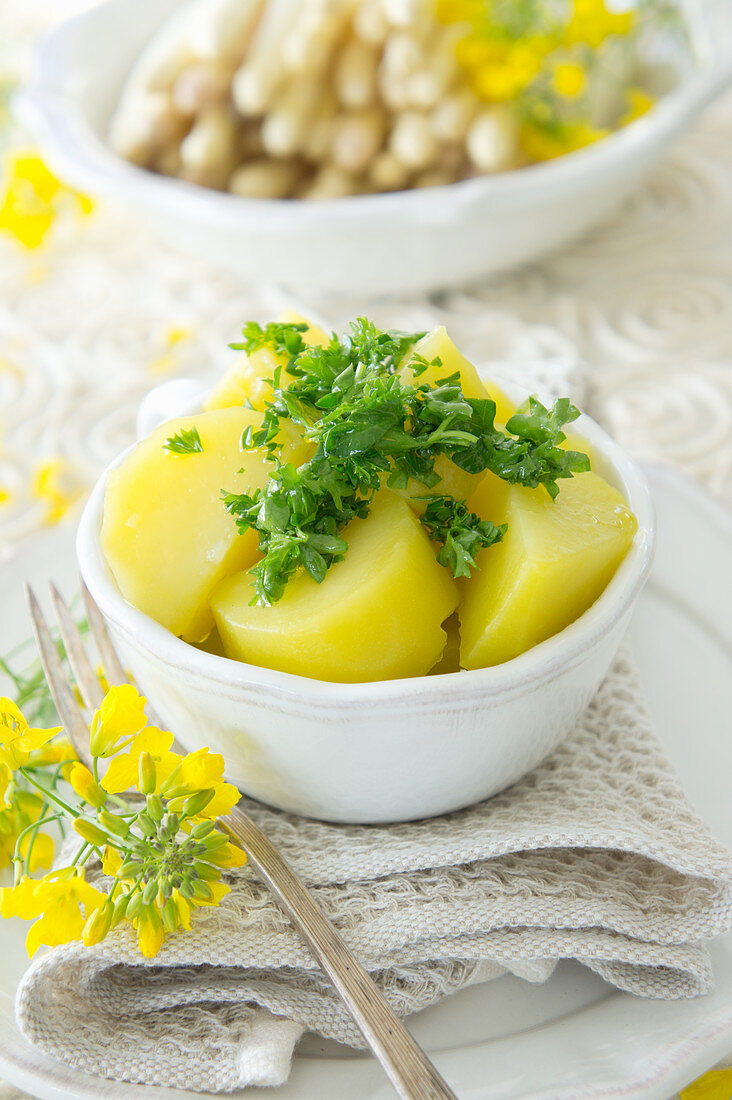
(410, 1071)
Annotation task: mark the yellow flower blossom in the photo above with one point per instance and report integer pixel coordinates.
(56, 483)
(541, 144)
(40, 847)
(150, 931)
(569, 79)
(639, 104)
(85, 785)
(57, 900)
(33, 198)
(715, 1085)
(111, 861)
(121, 716)
(5, 495)
(123, 771)
(17, 739)
(592, 22)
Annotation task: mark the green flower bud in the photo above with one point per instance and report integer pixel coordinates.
(206, 871)
(113, 824)
(130, 869)
(202, 829)
(155, 807)
(172, 825)
(197, 802)
(201, 890)
(146, 824)
(120, 909)
(134, 905)
(150, 892)
(186, 888)
(212, 843)
(147, 773)
(169, 914)
(91, 833)
(98, 924)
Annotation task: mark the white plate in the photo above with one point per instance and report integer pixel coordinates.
(574, 1037)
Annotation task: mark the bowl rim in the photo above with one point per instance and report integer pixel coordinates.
(537, 665)
(50, 101)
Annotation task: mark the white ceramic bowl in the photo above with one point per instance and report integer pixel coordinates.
(393, 243)
(388, 751)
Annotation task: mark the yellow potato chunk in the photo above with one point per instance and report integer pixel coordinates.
(437, 344)
(165, 533)
(247, 379)
(555, 560)
(377, 615)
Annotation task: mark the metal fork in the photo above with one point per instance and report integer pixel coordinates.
(410, 1071)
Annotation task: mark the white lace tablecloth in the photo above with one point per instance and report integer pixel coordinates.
(104, 311)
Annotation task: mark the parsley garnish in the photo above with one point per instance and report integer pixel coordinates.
(185, 442)
(461, 532)
(369, 425)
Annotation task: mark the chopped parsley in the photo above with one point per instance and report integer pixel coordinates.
(368, 426)
(185, 442)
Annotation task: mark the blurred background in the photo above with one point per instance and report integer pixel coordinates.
(99, 301)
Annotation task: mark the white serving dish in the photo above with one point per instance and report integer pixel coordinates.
(387, 751)
(371, 245)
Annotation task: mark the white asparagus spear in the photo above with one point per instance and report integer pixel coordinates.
(265, 179)
(223, 29)
(313, 35)
(452, 117)
(285, 128)
(146, 124)
(387, 172)
(319, 136)
(211, 142)
(492, 141)
(355, 73)
(412, 140)
(330, 182)
(199, 85)
(357, 137)
(260, 75)
(370, 22)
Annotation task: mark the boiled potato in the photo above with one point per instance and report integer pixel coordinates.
(438, 345)
(453, 482)
(165, 533)
(555, 560)
(377, 615)
(247, 380)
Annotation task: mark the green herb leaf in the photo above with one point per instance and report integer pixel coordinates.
(461, 532)
(185, 442)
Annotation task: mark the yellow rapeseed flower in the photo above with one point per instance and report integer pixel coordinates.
(592, 22)
(569, 79)
(119, 718)
(123, 771)
(55, 482)
(85, 785)
(33, 198)
(17, 739)
(150, 931)
(57, 900)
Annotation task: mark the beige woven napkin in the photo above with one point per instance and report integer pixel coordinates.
(595, 856)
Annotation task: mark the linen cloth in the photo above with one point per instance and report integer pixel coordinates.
(595, 856)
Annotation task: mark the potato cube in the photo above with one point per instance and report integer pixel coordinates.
(555, 560)
(377, 615)
(165, 533)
